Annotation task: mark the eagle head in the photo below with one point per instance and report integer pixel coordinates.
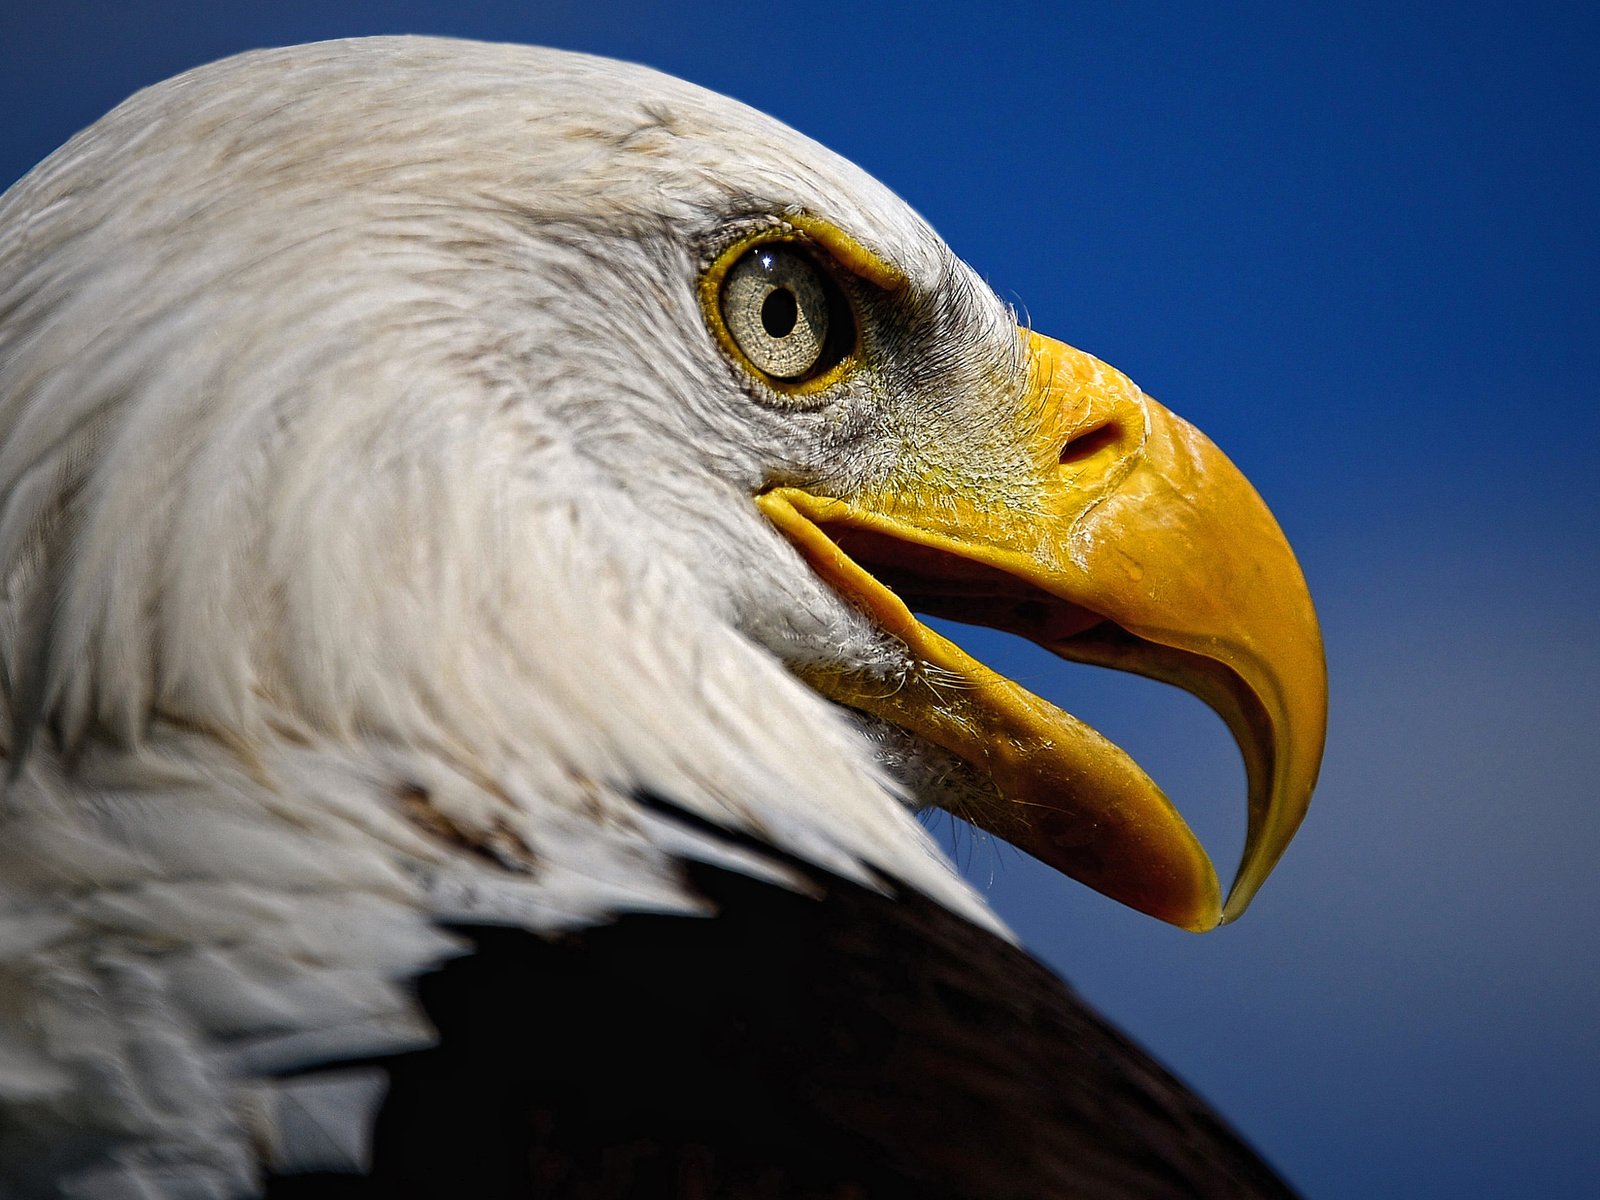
(594, 432)
(448, 483)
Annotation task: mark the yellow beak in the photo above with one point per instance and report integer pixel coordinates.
(1134, 544)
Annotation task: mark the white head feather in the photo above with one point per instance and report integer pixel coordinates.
(376, 526)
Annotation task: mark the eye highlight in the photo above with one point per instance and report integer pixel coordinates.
(785, 314)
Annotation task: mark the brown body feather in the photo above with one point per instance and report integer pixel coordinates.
(852, 1046)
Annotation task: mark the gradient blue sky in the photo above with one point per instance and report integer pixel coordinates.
(1357, 245)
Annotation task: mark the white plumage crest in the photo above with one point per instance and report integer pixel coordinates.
(376, 528)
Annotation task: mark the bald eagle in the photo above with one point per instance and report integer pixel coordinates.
(462, 510)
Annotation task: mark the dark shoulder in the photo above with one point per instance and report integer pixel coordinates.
(846, 1045)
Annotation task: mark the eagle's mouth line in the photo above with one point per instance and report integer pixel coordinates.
(937, 583)
(934, 582)
(1067, 795)
(893, 580)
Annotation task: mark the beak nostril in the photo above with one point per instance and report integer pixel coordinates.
(1088, 442)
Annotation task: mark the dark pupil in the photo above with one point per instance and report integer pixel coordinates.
(778, 312)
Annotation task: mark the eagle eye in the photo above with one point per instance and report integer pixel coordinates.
(785, 314)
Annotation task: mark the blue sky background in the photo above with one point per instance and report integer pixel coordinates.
(1357, 245)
